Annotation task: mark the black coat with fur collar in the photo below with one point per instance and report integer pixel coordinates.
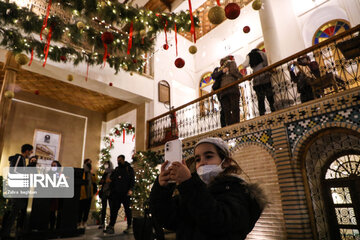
(226, 209)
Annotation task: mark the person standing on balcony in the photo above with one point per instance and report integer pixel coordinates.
(257, 60)
(226, 74)
(213, 202)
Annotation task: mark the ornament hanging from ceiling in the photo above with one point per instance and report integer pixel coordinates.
(257, 4)
(37, 92)
(179, 63)
(166, 46)
(80, 25)
(246, 29)
(70, 78)
(9, 94)
(232, 11)
(216, 15)
(192, 49)
(110, 84)
(21, 59)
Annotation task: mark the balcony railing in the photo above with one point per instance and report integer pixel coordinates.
(326, 68)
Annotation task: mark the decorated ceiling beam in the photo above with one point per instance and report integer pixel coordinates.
(92, 19)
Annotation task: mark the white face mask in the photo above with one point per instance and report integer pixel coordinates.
(208, 172)
(54, 168)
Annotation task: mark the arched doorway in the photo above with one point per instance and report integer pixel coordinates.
(341, 185)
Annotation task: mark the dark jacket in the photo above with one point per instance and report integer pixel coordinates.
(122, 179)
(226, 209)
(17, 162)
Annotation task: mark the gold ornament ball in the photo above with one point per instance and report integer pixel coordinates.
(192, 49)
(216, 15)
(125, 67)
(257, 4)
(9, 94)
(80, 25)
(21, 59)
(45, 31)
(131, 74)
(70, 77)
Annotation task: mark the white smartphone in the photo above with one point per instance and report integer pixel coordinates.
(173, 151)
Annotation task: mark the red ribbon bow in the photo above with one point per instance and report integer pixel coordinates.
(130, 38)
(45, 19)
(47, 46)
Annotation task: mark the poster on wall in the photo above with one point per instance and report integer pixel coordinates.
(46, 146)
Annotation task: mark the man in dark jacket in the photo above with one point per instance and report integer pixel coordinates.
(18, 206)
(122, 183)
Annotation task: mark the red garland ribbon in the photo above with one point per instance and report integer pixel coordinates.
(87, 72)
(105, 53)
(192, 29)
(130, 38)
(166, 23)
(45, 19)
(218, 3)
(133, 137)
(47, 46)
(32, 57)
(111, 141)
(176, 40)
(123, 135)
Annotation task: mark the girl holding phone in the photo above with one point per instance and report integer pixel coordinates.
(213, 202)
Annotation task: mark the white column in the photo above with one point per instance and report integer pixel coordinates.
(352, 9)
(282, 36)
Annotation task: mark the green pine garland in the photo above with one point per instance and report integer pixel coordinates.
(19, 24)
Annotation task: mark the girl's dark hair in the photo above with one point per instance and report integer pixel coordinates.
(233, 165)
(35, 156)
(57, 163)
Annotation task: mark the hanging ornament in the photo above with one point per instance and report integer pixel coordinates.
(106, 38)
(9, 94)
(125, 67)
(131, 73)
(232, 11)
(110, 84)
(70, 78)
(32, 57)
(179, 63)
(134, 60)
(21, 59)
(37, 92)
(257, 4)
(216, 15)
(63, 58)
(165, 46)
(246, 29)
(80, 25)
(130, 38)
(193, 49)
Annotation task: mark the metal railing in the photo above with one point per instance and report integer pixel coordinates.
(326, 68)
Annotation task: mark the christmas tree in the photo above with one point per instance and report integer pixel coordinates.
(146, 171)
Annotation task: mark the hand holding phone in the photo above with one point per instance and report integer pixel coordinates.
(173, 152)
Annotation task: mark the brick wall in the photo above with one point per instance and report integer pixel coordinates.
(259, 165)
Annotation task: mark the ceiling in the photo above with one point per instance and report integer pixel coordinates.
(64, 92)
(201, 12)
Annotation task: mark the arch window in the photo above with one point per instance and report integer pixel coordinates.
(164, 92)
(342, 196)
(330, 29)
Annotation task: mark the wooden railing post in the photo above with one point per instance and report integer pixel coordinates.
(11, 68)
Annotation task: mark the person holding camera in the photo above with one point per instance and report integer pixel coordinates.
(226, 74)
(213, 202)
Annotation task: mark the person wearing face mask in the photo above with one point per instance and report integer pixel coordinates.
(56, 204)
(104, 192)
(121, 187)
(213, 202)
(87, 191)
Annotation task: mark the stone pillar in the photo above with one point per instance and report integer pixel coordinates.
(282, 36)
(11, 68)
(141, 130)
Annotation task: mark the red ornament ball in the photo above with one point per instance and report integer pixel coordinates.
(130, 127)
(63, 58)
(232, 11)
(165, 46)
(246, 29)
(179, 63)
(37, 92)
(110, 84)
(117, 132)
(134, 60)
(107, 37)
